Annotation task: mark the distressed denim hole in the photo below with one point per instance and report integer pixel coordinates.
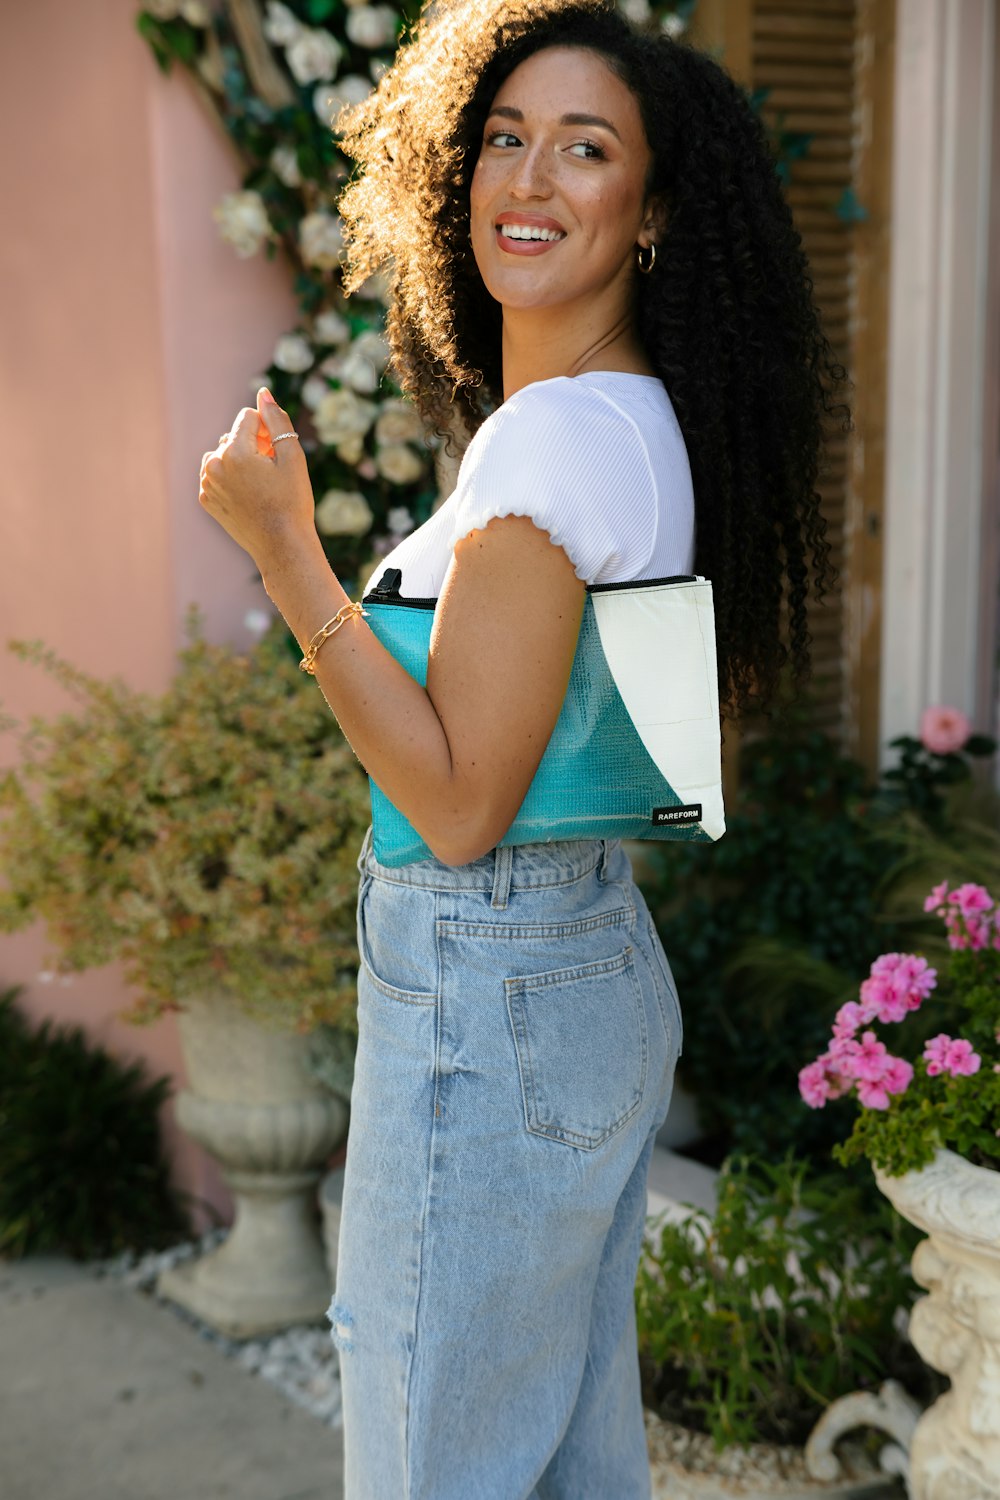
(342, 1323)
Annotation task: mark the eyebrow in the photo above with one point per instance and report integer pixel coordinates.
(508, 112)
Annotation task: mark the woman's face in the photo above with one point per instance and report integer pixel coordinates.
(564, 160)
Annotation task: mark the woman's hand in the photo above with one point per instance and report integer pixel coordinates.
(259, 490)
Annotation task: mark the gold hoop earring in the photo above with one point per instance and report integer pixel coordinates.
(645, 266)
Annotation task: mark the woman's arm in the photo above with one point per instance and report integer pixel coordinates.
(457, 757)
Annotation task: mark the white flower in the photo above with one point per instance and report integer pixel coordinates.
(284, 163)
(313, 391)
(330, 98)
(314, 55)
(377, 67)
(331, 327)
(293, 353)
(375, 288)
(343, 513)
(674, 25)
(342, 414)
(372, 25)
(281, 27)
(212, 69)
(636, 11)
(398, 422)
(321, 240)
(351, 449)
(163, 10)
(243, 222)
(196, 13)
(257, 621)
(398, 463)
(399, 521)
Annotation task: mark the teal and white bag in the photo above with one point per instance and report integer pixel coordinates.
(636, 750)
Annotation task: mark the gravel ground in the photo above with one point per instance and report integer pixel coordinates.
(300, 1362)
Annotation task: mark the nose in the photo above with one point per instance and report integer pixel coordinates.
(531, 176)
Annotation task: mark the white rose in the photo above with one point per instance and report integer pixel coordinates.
(399, 520)
(321, 240)
(284, 163)
(331, 327)
(314, 390)
(372, 25)
(314, 55)
(281, 27)
(258, 621)
(163, 10)
(398, 463)
(377, 67)
(293, 353)
(330, 98)
(342, 414)
(674, 25)
(343, 513)
(375, 288)
(243, 222)
(364, 361)
(398, 422)
(196, 13)
(351, 449)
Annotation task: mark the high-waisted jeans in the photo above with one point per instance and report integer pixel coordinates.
(518, 1030)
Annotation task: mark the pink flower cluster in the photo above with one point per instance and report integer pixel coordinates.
(897, 984)
(945, 1055)
(971, 917)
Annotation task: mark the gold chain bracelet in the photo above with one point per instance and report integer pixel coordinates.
(344, 613)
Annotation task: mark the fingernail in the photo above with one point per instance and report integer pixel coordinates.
(266, 395)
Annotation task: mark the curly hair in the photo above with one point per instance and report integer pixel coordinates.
(727, 319)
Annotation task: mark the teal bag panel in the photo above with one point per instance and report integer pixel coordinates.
(596, 778)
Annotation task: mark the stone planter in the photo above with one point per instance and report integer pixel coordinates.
(955, 1451)
(253, 1103)
(685, 1466)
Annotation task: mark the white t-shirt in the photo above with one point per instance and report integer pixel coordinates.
(596, 460)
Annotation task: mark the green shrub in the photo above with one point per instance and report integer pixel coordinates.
(82, 1168)
(752, 1320)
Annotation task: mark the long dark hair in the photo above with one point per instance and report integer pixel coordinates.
(727, 317)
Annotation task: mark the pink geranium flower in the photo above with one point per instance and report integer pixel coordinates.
(937, 898)
(898, 983)
(945, 1054)
(944, 730)
(971, 899)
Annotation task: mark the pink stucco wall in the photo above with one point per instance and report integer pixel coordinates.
(128, 336)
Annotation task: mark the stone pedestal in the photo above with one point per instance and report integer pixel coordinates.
(955, 1451)
(253, 1103)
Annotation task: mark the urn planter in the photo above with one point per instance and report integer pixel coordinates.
(684, 1465)
(955, 1451)
(254, 1104)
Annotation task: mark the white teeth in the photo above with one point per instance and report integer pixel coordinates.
(529, 232)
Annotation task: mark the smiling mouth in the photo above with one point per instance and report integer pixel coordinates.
(529, 232)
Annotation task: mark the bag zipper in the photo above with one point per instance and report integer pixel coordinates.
(386, 591)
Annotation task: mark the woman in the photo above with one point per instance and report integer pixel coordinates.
(579, 219)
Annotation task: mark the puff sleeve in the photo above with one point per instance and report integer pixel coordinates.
(571, 459)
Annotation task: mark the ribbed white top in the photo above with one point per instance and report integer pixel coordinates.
(598, 461)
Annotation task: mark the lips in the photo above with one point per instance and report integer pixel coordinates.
(527, 234)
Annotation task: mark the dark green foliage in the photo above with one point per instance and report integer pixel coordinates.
(752, 1320)
(772, 928)
(82, 1169)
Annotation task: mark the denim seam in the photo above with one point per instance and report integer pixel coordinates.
(524, 931)
(401, 997)
(485, 886)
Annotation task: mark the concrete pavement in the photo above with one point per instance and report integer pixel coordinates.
(107, 1395)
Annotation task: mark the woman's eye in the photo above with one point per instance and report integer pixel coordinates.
(502, 138)
(590, 150)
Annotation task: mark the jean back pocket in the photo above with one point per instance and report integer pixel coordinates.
(580, 1036)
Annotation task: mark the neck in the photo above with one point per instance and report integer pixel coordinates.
(542, 343)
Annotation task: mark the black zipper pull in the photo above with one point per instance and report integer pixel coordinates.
(389, 583)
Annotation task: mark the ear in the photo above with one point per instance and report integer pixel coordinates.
(654, 224)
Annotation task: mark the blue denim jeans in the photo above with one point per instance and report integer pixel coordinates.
(518, 1030)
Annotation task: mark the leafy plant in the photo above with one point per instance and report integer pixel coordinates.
(950, 1094)
(752, 1320)
(82, 1168)
(207, 838)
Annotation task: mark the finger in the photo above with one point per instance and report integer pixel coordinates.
(244, 433)
(278, 422)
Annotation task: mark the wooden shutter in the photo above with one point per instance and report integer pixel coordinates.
(828, 67)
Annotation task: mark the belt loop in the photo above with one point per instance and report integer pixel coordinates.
(602, 869)
(504, 860)
(365, 847)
